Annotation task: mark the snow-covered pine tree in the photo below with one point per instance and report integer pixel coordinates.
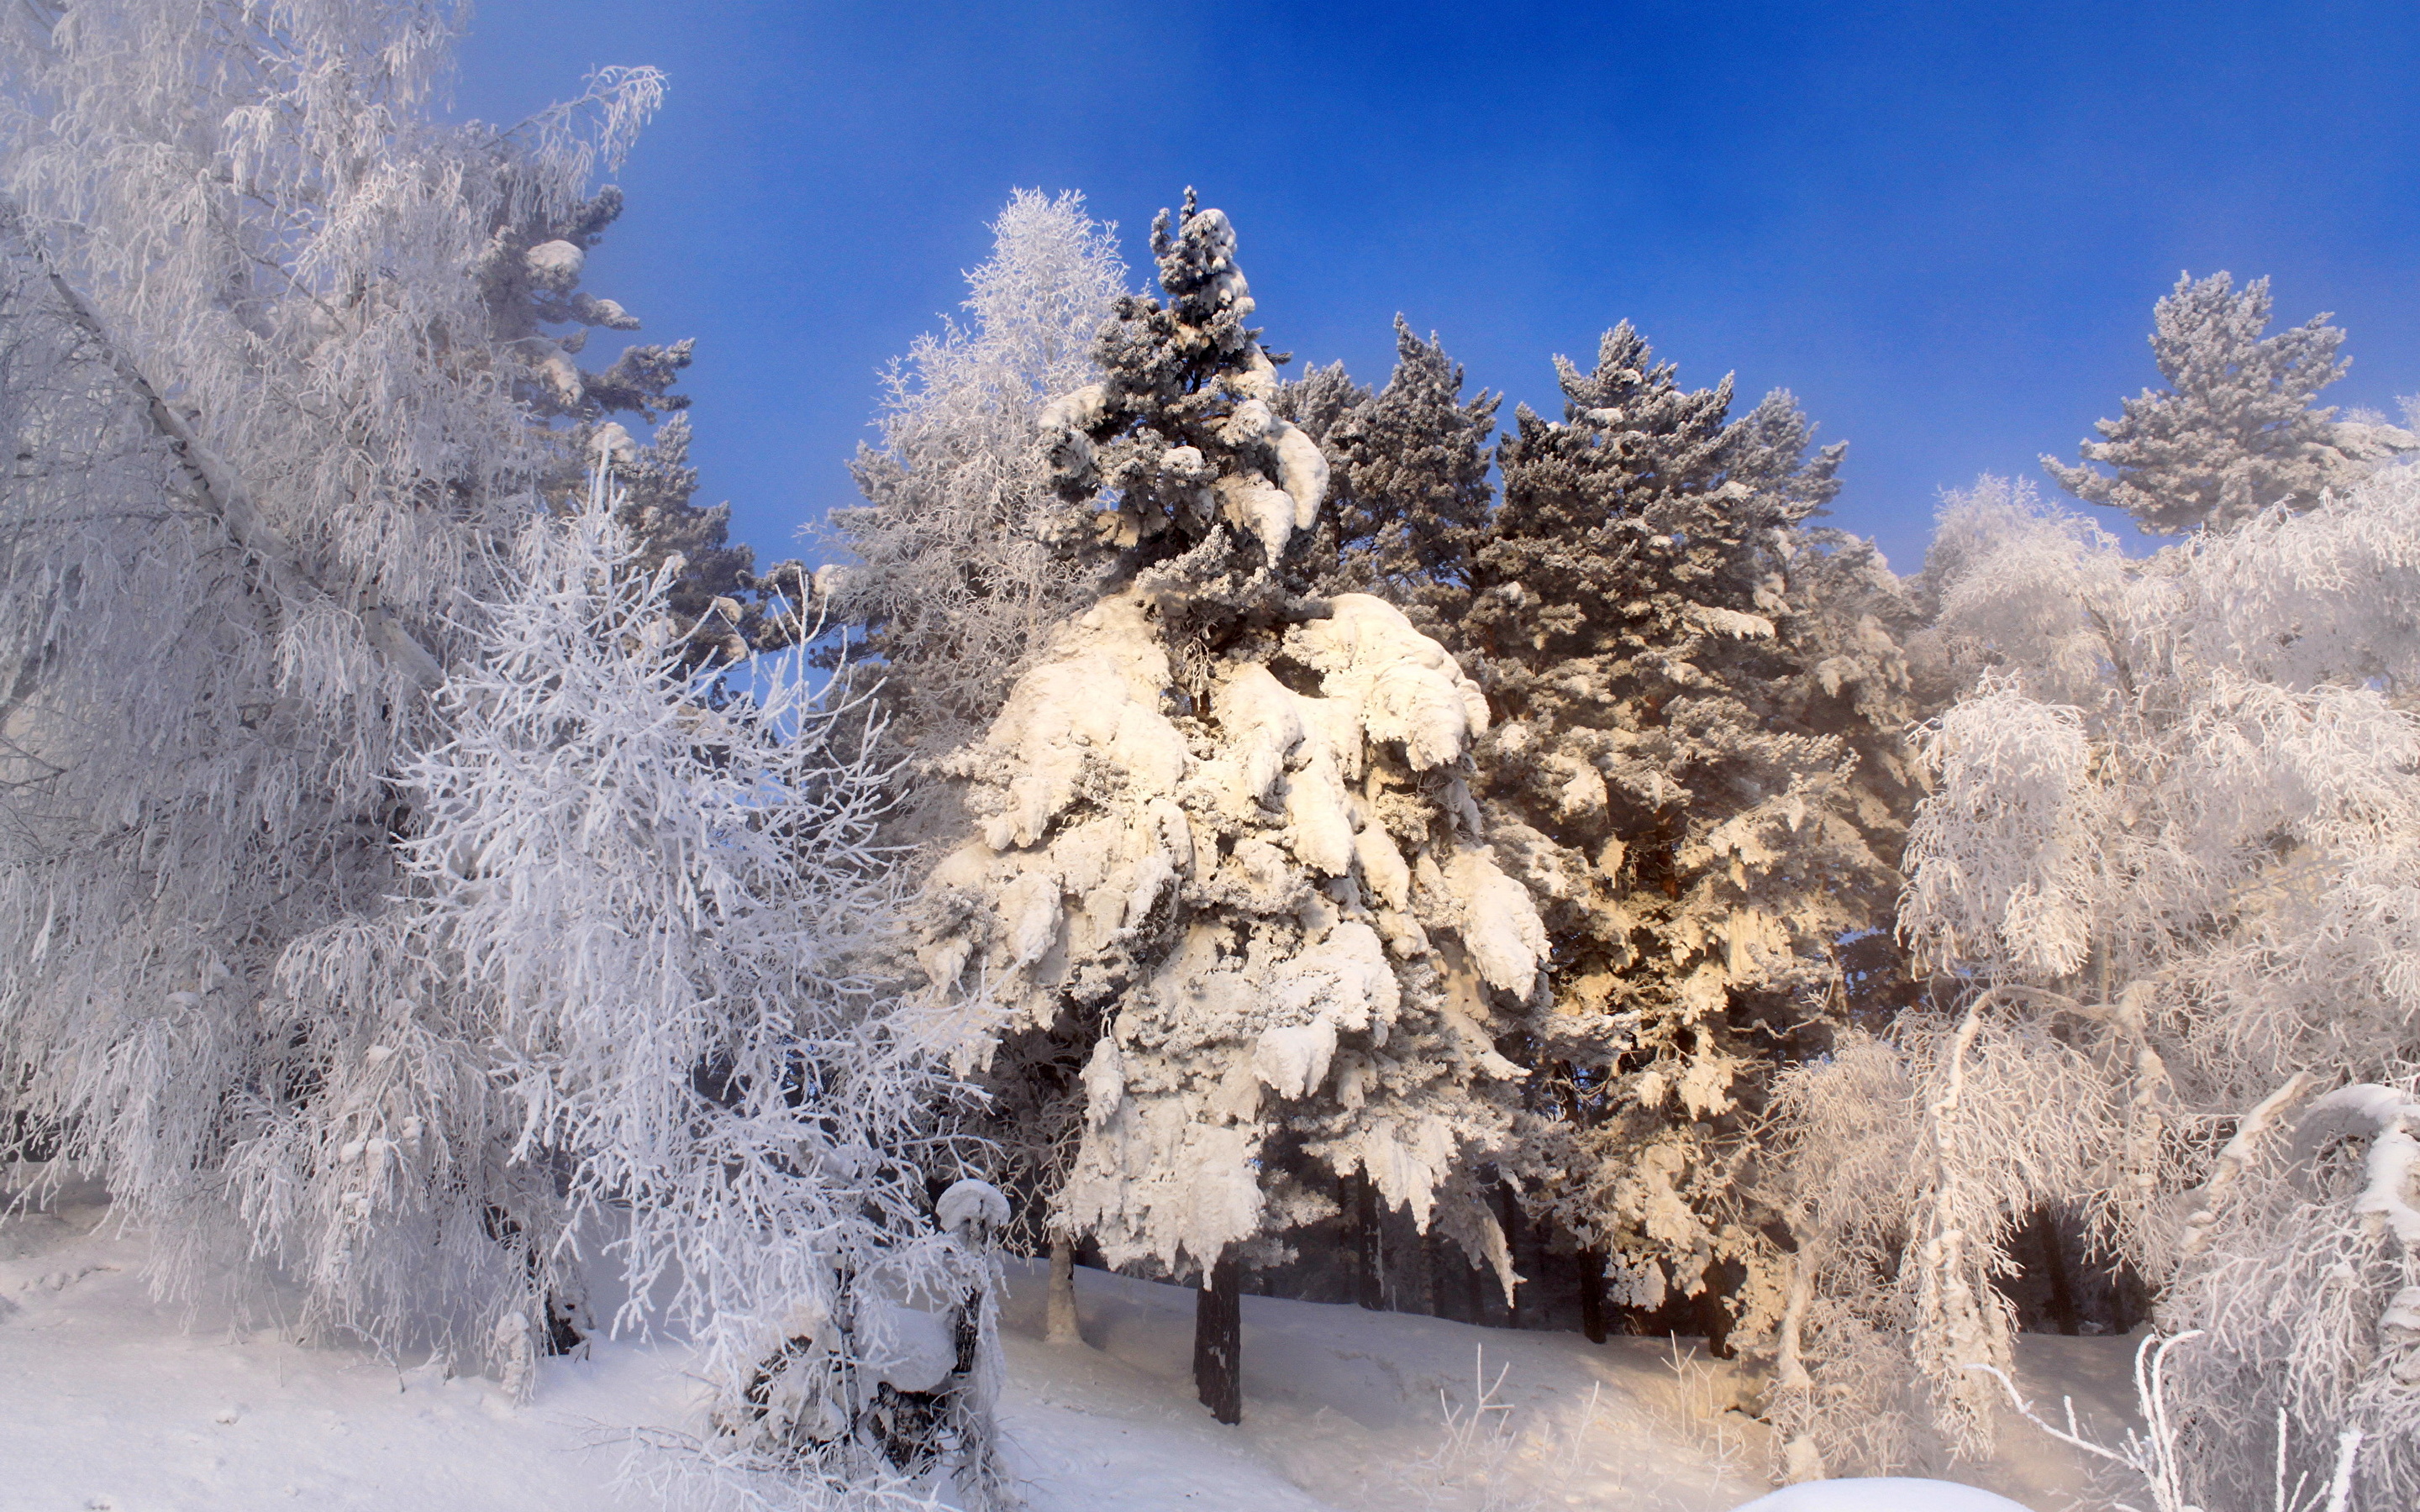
(967, 555)
(722, 607)
(1228, 890)
(2235, 431)
(2173, 851)
(531, 277)
(1409, 491)
(1407, 487)
(1695, 769)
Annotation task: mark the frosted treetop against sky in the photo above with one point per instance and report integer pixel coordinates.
(1942, 226)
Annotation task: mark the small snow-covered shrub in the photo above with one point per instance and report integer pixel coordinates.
(1488, 1459)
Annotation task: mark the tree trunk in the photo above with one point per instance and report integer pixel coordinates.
(1591, 1264)
(1061, 1327)
(2062, 1291)
(1713, 1307)
(1219, 1340)
(1368, 1263)
(1441, 1275)
(1509, 1204)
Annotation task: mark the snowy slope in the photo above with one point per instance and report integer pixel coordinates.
(106, 1402)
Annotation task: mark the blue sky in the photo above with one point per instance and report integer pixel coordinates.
(1942, 225)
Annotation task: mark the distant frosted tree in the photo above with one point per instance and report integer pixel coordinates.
(969, 556)
(721, 606)
(1408, 469)
(2173, 847)
(531, 275)
(1229, 887)
(2235, 432)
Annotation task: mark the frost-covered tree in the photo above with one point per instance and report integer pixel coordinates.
(968, 556)
(2235, 431)
(1408, 477)
(623, 993)
(723, 609)
(1695, 769)
(1228, 891)
(269, 434)
(281, 783)
(530, 275)
(2172, 853)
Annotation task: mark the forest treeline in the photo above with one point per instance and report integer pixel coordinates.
(1209, 814)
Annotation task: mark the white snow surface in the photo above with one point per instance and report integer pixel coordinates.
(1894, 1495)
(110, 1401)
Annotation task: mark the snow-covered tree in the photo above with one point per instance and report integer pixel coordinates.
(269, 435)
(530, 275)
(1695, 769)
(623, 994)
(2172, 853)
(1408, 479)
(967, 557)
(2235, 431)
(723, 609)
(1228, 890)
(369, 899)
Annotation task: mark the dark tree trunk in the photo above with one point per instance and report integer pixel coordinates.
(1509, 1204)
(1219, 1340)
(1443, 1274)
(1714, 1307)
(2054, 1254)
(1591, 1264)
(1411, 1290)
(1369, 1273)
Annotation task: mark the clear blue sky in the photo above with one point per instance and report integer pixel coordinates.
(1942, 225)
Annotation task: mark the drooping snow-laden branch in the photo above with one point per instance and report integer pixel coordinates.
(212, 487)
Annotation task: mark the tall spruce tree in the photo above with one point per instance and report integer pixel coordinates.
(2235, 432)
(1695, 770)
(1228, 893)
(1408, 478)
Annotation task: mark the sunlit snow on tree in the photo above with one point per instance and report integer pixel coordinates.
(1228, 860)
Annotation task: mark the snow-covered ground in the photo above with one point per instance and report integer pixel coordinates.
(110, 1401)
